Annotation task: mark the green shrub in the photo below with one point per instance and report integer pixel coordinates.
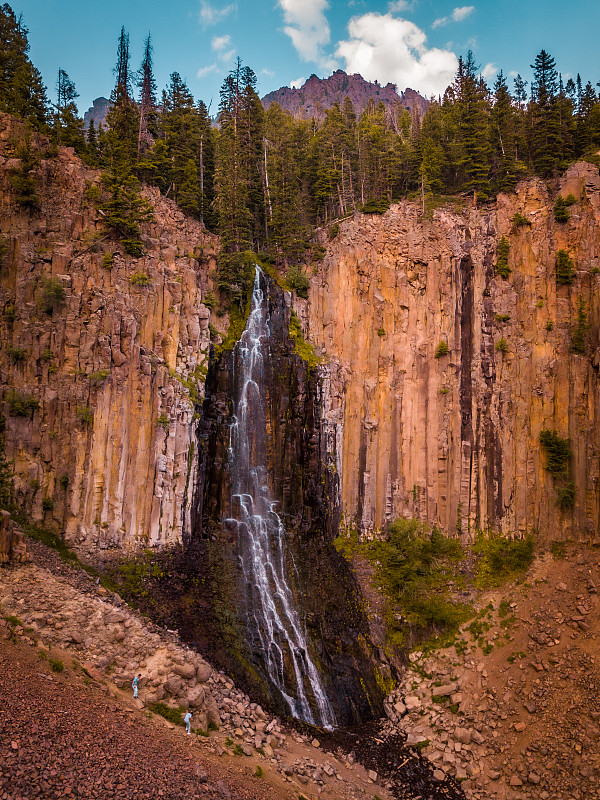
(333, 231)
(502, 252)
(52, 295)
(301, 347)
(558, 452)
(21, 404)
(380, 331)
(258, 772)
(209, 299)
(549, 325)
(579, 332)
(92, 192)
(518, 221)
(376, 206)
(164, 421)
(47, 354)
(565, 497)
(561, 213)
(172, 715)
(64, 482)
(99, 376)
(502, 345)
(441, 349)
(85, 414)
(16, 354)
(565, 271)
(296, 279)
(56, 664)
(108, 260)
(140, 279)
(47, 504)
(558, 549)
(10, 313)
(502, 318)
(501, 559)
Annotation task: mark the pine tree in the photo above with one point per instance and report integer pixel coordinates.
(473, 120)
(68, 127)
(505, 168)
(22, 91)
(147, 128)
(544, 117)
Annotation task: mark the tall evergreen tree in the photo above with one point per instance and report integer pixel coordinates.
(147, 127)
(68, 126)
(473, 116)
(544, 116)
(22, 91)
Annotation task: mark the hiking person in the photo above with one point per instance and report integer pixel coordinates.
(188, 722)
(134, 684)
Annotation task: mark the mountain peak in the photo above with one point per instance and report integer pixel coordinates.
(316, 95)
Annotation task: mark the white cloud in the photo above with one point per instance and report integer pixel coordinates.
(219, 43)
(297, 83)
(384, 48)
(307, 27)
(211, 14)
(268, 72)
(204, 71)
(460, 13)
(490, 71)
(399, 5)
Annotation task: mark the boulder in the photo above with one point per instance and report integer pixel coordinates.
(186, 671)
(196, 697)
(203, 672)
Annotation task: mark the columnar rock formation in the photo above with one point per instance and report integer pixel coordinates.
(454, 439)
(110, 374)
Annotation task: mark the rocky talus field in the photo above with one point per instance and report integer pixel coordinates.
(511, 711)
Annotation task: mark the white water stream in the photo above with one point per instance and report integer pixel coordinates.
(273, 623)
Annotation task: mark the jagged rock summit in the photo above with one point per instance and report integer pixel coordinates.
(97, 112)
(318, 94)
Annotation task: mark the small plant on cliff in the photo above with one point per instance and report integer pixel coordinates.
(380, 331)
(85, 414)
(502, 318)
(64, 482)
(98, 377)
(56, 665)
(333, 231)
(52, 295)
(10, 313)
(441, 349)
(297, 280)
(21, 404)
(6, 473)
(108, 260)
(164, 421)
(301, 347)
(140, 279)
(209, 300)
(565, 272)
(47, 504)
(16, 354)
(578, 335)
(561, 213)
(502, 252)
(518, 221)
(558, 452)
(502, 346)
(565, 497)
(23, 180)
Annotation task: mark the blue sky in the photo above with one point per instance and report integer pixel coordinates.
(408, 42)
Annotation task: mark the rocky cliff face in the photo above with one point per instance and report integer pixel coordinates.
(455, 439)
(98, 389)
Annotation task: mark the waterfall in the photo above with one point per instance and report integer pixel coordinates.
(273, 624)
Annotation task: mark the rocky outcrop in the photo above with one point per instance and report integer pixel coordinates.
(13, 547)
(103, 356)
(316, 95)
(454, 439)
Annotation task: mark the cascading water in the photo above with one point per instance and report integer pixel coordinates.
(273, 624)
